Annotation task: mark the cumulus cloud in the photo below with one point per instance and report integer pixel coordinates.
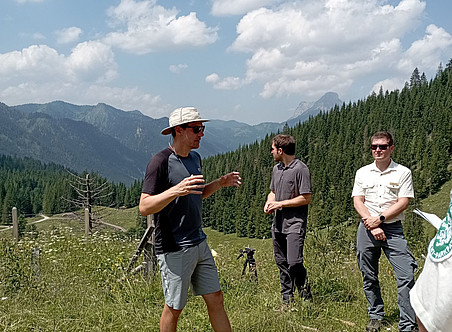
(89, 62)
(177, 69)
(389, 84)
(309, 46)
(238, 7)
(148, 27)
(40, 74)
(228, 83)
(68, 35)
(425, 53)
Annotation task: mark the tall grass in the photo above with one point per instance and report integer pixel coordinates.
(76, 286)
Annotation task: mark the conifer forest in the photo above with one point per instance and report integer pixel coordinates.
(333, 144)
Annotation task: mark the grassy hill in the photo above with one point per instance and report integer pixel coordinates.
(437, 204)
(76, 287)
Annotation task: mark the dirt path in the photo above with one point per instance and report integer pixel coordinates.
(6, 228)
(44, 218)
(112, 225)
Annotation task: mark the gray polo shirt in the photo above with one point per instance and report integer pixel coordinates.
(289, 182)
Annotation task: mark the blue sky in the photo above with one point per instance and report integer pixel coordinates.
(246, 60)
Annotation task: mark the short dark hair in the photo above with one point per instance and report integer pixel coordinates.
(383, 134)
(173, 130)
(286, 143)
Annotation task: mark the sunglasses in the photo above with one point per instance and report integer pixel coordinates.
(381, 146)
(197, 129)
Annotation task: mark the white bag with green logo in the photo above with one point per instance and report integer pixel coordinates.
(440, 247)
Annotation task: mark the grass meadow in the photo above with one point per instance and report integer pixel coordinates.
(79, 285)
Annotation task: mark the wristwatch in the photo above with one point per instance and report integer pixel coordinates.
(382, 218)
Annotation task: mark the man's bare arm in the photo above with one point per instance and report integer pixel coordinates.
(150, 204)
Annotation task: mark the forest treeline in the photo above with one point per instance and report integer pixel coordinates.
(334, 145)
(34, 187)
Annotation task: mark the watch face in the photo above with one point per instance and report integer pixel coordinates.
(382, 218)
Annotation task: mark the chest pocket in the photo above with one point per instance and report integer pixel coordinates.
(392, 189)
(369, 188)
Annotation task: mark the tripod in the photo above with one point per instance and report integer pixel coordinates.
(250, 262)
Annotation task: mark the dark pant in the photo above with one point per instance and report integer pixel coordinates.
(288, 249)
(396, 250)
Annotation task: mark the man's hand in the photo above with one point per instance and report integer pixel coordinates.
(150, 204)
(272, 206)
(371, 222)
(230, 180)
(378, 234)
(191, 185)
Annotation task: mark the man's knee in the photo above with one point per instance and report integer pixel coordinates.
(214, 300)
(175, 313)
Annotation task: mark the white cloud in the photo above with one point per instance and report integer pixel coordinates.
(40, 74)
(38, 36)
(228, 83)
(427, 52)
(68, 35)
(310, 47)
(177, 69)
(238, 7)
(212, 78)
(150, 27)
(389, 84)
(89, 62)
(92, 61)
(36, 63)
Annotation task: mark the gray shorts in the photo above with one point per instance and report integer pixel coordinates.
(191, 267)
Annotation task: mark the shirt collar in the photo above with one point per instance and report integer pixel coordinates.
(391, 167)
(291, 164)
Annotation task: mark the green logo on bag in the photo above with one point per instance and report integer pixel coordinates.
(440, 247)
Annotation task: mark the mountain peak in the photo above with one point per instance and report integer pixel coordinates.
(307, 109)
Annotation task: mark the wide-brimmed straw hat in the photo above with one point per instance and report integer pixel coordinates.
(182, 115)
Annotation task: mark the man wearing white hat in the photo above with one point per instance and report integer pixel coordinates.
(173, 190)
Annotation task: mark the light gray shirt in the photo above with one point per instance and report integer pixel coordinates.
(382, 189)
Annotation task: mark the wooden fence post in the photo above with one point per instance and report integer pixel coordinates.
(149, 250)
(87, 221)
(36, 263)
(15, 224)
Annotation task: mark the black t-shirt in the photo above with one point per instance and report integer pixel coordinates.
(179, 224)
